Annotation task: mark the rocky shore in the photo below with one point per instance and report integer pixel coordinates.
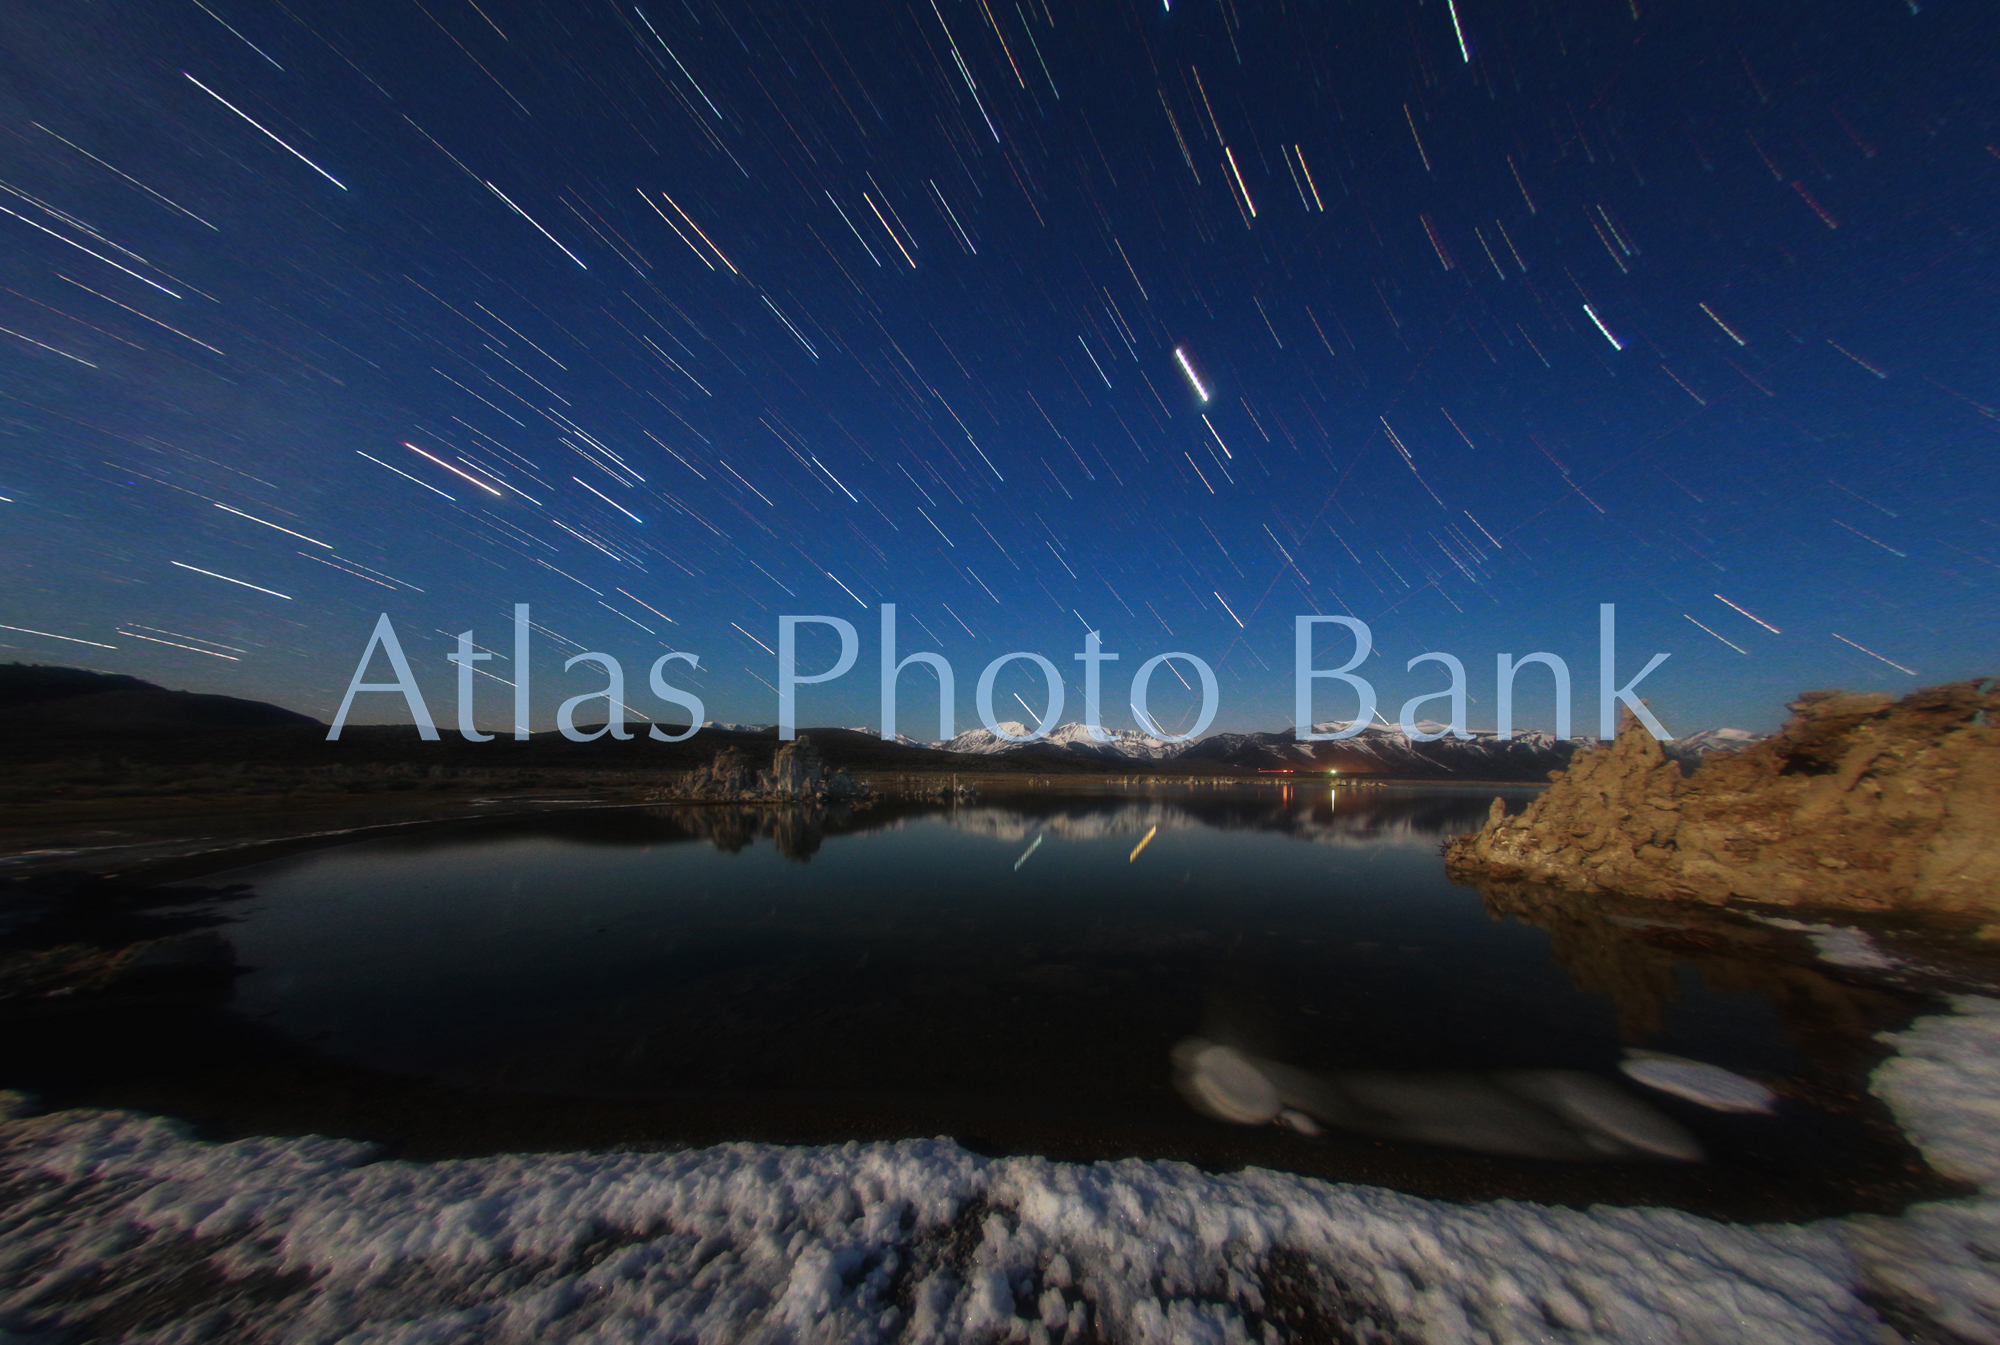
(1860, 802)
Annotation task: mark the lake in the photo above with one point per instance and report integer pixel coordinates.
(1020, 973)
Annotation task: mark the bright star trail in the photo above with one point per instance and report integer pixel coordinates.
(1139, 315)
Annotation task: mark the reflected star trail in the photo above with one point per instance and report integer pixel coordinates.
(1033, 319)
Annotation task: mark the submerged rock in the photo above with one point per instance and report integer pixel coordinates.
(180, 961)
(1561, 1114)
(1710, 1085)
(1860, 801)
(1610, 1120)
(1223, 1082)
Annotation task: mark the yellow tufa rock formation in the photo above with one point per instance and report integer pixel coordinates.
(1861, 801)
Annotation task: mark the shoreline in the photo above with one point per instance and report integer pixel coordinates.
(865, 1241)
(939, 1216)
(128, 836)
(171, 1044)
(1860, 802)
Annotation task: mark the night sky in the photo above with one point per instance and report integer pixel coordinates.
(668, 320)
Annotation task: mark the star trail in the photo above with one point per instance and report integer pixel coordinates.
(1168, 322)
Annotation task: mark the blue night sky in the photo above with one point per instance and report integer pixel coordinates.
(668, 320)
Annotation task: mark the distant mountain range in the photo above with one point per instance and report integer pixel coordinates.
(39, 702)
(1376, 750)
(1124, 744)
(52, 709)
(1373, 751)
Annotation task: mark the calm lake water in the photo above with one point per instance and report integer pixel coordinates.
(1017, 974)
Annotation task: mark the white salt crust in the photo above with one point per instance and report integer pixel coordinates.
(118, 1226)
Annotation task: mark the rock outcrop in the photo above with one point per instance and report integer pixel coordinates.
(1861, 801)
(797, 774)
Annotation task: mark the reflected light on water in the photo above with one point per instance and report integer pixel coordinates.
(1018, 973)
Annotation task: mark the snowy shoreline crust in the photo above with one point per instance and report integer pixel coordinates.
(122, 1226)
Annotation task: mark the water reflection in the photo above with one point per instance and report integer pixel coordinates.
(795, 831)
(1643, 958)
(1323, 815)
(1326, 815)
(1647, 958)
(811, 973)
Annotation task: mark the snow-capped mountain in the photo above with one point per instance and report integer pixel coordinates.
(1714, 740)
(1386, 751)
(1531, 737)
(1125, 744)
(1378, 749)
